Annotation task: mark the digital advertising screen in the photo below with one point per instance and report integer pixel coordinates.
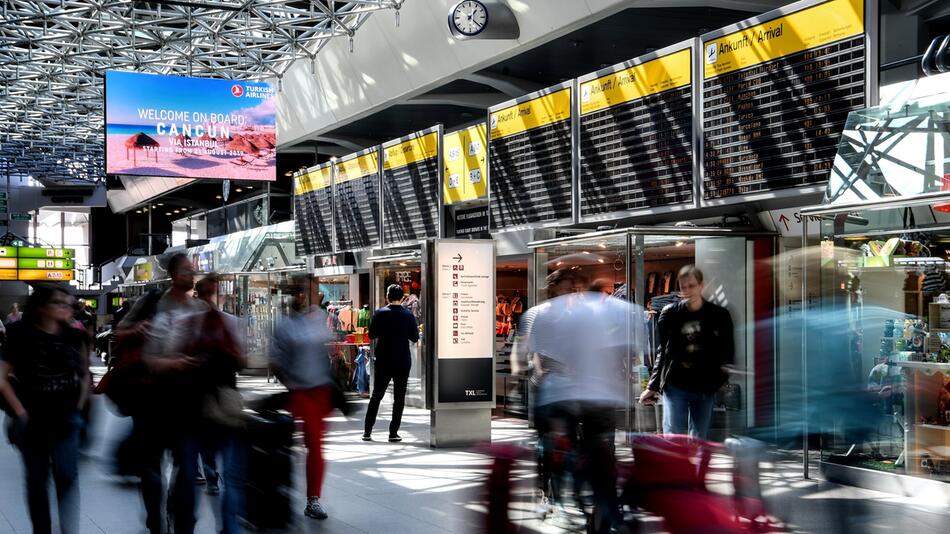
(174, 126)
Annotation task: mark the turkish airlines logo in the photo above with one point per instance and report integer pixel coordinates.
(237, 90)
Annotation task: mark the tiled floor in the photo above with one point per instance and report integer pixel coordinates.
(408, 487)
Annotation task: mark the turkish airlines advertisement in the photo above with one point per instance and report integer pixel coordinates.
(190, 127)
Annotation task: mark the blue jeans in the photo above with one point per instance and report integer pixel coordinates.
(687, 411)
(41, 449)
(158, 436)
(234, 467)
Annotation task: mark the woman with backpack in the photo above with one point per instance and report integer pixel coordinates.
(47, 357)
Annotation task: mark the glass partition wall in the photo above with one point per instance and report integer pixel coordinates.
(877, 330)
(641, 266)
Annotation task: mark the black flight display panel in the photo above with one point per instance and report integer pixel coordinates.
(530, 160)
(357, 202)
(636, 135)
(411, 186)
(775, 124)
(316, 202)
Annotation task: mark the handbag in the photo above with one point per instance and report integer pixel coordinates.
(129, 381)
(224, 407)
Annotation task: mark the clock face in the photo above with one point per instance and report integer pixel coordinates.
(469, 17)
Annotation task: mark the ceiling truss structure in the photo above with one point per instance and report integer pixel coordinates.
(53, 55)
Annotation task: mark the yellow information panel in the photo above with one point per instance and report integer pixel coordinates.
(358, 167)
(47, 275)
(671, 71)
(8, 274)
(534, 113)
(411, 151)
(809, 28)
(466, 165)
(313, 180)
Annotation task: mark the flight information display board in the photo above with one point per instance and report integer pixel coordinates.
(465, 165)
(314, 204)
(636, 133)
(356, 201)
(411, 183)
(530, 159)
(777, 91)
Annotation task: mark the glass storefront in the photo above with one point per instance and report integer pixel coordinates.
(641, 265)
(407, 273)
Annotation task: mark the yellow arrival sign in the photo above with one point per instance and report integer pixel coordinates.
(534, 113)
(313, 180)
(411, 151)
(809, 28)
(465, 158)
(353, 167)
(671, 71)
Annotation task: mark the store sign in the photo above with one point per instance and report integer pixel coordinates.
(313, 203)
(190, 127)
(529, 159)
(465, 307)
(465, 158)
(636, 134)
(411, 184)
(471, 221)
(777, 95)
(356, 201)
(142, 272)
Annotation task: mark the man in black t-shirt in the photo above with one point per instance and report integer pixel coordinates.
(695, 343)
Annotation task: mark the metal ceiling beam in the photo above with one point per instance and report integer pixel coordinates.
(53, 56)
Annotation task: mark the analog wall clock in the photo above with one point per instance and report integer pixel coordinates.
(468, 18)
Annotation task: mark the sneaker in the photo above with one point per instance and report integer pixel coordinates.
(395, 438)
(367, 437)
(315, 509)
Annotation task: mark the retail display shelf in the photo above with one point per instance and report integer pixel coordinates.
(945, 428)
(933, 366)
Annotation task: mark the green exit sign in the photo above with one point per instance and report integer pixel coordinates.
(21, 217)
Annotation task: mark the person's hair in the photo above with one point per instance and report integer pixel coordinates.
(600, 285)
(394, 292)
(300, 286)
(175, 261)
(206, 286)
(42, 294)
(690, 270)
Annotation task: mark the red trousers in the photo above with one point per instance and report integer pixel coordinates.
(311, 406)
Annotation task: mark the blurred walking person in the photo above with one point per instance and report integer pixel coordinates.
(695, 344)
(393, 328)
(14, 315)
(581, 340)
(170, 420)
(213, 339)
(301, 361)
(47, 357)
